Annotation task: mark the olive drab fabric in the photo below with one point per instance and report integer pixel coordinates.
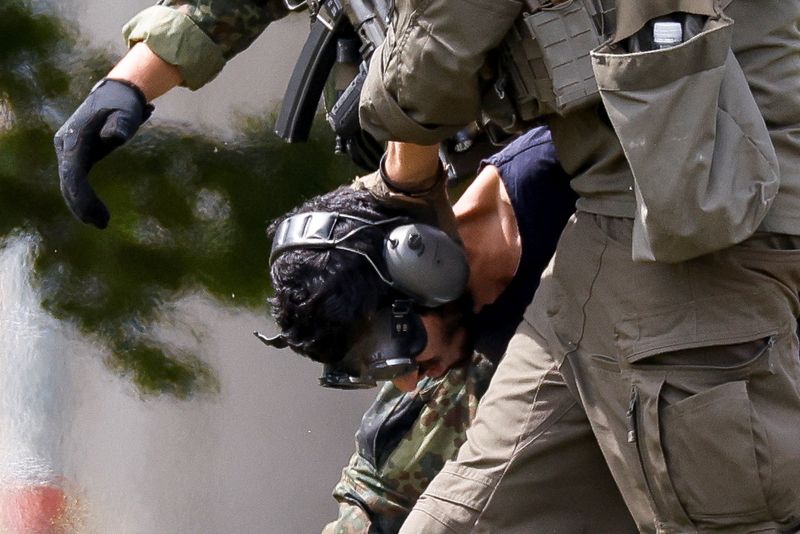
(704, 169)
(599, 307)
(425, 102)
(543, 64)
(200, 36)
(423, 98)
(687, 373)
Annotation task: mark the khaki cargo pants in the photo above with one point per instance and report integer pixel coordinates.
(683, 379)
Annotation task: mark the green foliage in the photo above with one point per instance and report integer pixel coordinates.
(188, 212)
(25, 36)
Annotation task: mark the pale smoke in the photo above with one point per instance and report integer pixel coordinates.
(29, 372)
(32, 381)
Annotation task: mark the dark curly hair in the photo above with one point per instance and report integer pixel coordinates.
(321, 296)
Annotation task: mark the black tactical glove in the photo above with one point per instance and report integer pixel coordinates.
(108, 118)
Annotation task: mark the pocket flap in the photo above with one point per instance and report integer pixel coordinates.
(695, 324)
(657, 68)
(704, 168)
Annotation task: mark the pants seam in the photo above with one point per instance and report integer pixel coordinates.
(521, 443)
(440, 521)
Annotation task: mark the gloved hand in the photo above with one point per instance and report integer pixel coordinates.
(430, 206)
(108, 118)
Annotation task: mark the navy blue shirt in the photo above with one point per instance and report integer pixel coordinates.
(543, 202)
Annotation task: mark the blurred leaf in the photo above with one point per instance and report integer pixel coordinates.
(188, 211)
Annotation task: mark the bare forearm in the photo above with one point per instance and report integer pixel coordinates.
(411, 167)
(147, 71)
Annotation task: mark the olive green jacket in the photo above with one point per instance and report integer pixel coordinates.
(423, 85)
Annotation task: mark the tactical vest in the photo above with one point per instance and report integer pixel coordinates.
(543, 65)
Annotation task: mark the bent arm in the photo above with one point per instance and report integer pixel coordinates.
(174, 42)
(423, 82)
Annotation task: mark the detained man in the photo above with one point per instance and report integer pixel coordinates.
(509, 221)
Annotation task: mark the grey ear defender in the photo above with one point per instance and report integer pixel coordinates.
(426, 264)
(421, 260)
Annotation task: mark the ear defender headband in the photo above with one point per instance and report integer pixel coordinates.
(422, 262)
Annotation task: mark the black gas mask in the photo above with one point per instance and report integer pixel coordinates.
(423, 264)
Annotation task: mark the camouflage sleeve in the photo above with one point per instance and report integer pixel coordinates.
(199, 36)
(403, 442)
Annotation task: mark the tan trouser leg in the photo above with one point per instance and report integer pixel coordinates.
(690, 376)
(531, 463)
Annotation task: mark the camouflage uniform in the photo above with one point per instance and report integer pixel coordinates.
(404, 440)
(674, 368)
(199, 36)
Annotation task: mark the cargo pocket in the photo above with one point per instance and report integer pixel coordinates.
(704, 168)
(691, 420)
(710, 448)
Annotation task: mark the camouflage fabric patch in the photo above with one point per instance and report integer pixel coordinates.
(389, 491)
(232, 24)
(352, 520)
